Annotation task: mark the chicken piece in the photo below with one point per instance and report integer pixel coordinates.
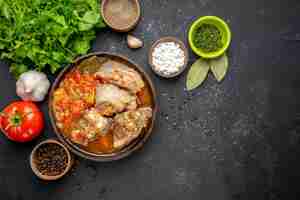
(110, 99)
(129, 125)
(90, 127)
(121, 75)
(96, 120)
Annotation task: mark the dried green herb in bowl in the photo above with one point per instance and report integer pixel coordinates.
(208, 38)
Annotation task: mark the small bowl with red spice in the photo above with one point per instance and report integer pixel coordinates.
(50, 160)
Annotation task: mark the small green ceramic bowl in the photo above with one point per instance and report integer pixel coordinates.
(221, 25)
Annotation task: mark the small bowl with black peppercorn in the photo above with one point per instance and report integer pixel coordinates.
(50, 160)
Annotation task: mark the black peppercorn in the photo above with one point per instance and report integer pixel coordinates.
(51, 159)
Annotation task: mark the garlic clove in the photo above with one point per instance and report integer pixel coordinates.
(134, 42)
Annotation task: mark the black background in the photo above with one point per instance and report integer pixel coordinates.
(234, 140)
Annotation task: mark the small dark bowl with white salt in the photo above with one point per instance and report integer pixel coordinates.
(50, 160)
(168, 57)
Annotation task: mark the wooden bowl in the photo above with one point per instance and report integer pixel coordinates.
(126, 151)
(182, 46)
(46, 177)
(114, 21)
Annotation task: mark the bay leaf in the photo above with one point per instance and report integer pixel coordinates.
(197, 74)
(219, 67)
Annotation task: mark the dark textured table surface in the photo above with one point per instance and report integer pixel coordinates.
(235, 140)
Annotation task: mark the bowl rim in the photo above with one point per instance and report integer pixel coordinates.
(211, 54)
(169, 39)
(138, 143)
(129, 26)
(47, 177)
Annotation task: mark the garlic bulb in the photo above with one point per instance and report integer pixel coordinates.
(32, 86)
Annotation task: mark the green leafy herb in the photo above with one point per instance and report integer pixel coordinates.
(41, 34)
(208, 38)
(219, 67)
(197, 74)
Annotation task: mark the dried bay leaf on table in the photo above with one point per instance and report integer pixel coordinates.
(219, 67)
(197, 74)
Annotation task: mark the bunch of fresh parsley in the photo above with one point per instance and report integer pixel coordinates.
(37, 34)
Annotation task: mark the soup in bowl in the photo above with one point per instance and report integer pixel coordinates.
(103, 107)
